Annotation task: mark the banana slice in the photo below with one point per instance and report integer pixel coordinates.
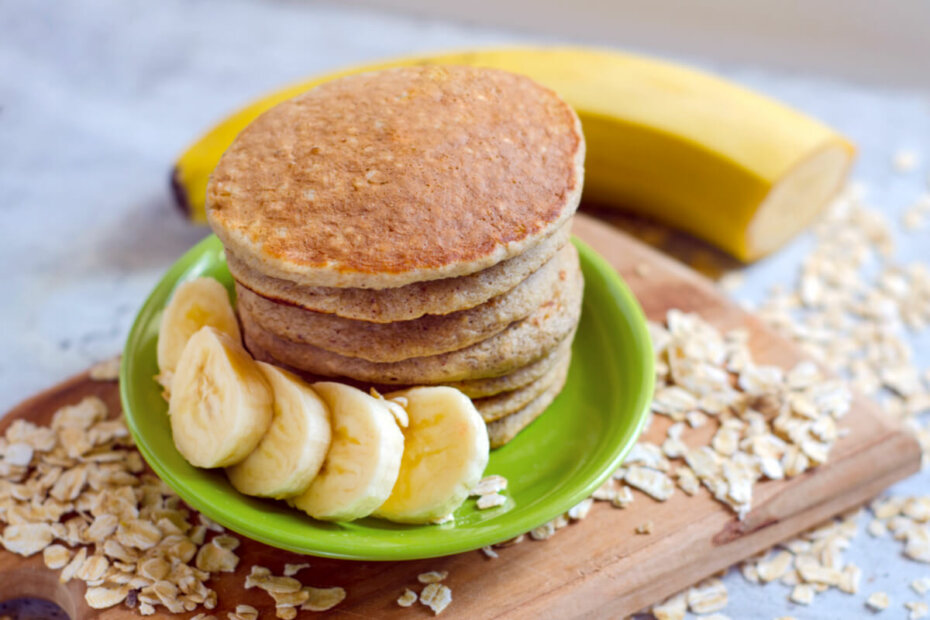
(363, 460)
(445, 453)
(195, 303)
(290, 454)
(220, 404)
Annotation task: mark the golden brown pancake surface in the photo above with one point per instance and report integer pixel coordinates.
(383, 179)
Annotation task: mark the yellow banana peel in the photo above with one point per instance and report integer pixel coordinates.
(701, 154)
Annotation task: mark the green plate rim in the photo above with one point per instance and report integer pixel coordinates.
(519, 523)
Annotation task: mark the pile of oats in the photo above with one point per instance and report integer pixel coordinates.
(77, 492)
(771, 423)
(855, 309)
(289, 594)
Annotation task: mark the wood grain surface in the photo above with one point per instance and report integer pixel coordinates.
(593, 568)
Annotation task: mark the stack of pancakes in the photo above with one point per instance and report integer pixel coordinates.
(411, 227)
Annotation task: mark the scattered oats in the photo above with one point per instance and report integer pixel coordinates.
(654, 483)
(243, 612)
(105, 371)
(93, 568)
(687, 481)
(813, 572)
(138, 534)
(674, 448)
(887, 508)
(56, 556)
(644, 528)
(436, 596)
(490, 552)
(708, 596)
(324, 599)
(672, 608)
(28, 538)
(877, 528)
(72, 567)
(102, 527)
(211, 525)
(647, 455)
(408, 598)
(225, 541)
(102, 597)
(913, 218)
(774, 568)
(18, 454)
(749, 571)
(918, 545)
(802, 594)
(904, 160)
(917, 609)
(643, 269)
(791, 578)
(432, 576)
(491, 500)
(292, 569)
(851, 577)
(696, 419)
(878, 601)
(580, 510)
(921, 586)
(490, 485)
(544, 531)
(622, 498)
(214, 558)
(441, 520)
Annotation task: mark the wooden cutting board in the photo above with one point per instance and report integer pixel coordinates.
(594, 568)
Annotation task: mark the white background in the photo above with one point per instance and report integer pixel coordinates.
(97, 98)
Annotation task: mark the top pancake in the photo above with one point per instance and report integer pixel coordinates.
(405, 175)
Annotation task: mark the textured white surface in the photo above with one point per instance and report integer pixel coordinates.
(98, 97)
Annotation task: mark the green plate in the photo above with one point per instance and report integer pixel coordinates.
(552, 465)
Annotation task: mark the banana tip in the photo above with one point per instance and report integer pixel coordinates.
(180, 196)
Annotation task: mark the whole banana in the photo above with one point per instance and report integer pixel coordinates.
(701, 154)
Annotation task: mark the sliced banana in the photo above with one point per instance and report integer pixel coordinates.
(195, 303)
(445, 453)
(363, 460)
(290, 454)
(220, 405)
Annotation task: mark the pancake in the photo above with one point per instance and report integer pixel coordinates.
(382, 179)
(473, 388)
(520, 344)
(503, 430)
(503, 404)
(428, 335)
(481, 388)
(408, 302)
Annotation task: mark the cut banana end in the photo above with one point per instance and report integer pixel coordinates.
(220, 404)
(795, 200)
(290, 454)
(445, 453)
(194, 304)
(363, 460)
